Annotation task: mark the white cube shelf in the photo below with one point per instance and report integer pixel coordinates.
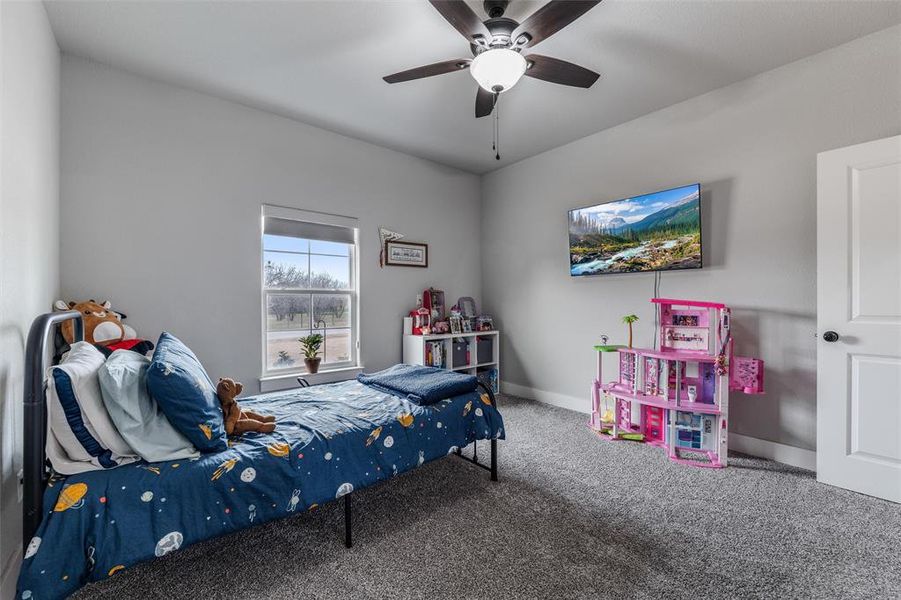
(416, 351)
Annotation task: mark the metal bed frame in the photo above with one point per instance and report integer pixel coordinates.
(36, 472)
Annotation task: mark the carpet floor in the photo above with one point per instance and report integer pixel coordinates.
(572, 516)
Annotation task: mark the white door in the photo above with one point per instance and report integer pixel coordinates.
(859, 318)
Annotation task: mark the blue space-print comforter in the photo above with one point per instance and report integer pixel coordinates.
(329, 441)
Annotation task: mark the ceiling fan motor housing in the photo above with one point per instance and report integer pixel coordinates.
(501, 29)
(495, 8)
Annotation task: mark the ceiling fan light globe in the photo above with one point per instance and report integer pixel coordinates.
(498, 69)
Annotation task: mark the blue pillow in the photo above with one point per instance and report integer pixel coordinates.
(181, 387)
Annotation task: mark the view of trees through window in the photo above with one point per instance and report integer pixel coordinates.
(308, 288)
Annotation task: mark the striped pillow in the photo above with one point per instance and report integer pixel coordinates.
(81, 435)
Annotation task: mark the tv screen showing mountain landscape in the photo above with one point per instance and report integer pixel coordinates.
(653, 232)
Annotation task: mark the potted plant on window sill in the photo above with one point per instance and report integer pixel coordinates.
(310, 345)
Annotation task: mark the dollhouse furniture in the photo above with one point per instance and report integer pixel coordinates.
(474, 353)
(601, 412)
(677, 395)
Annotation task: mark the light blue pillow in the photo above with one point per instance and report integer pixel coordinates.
(140, 421)
(180, 385)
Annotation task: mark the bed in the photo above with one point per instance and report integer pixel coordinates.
(330, 440)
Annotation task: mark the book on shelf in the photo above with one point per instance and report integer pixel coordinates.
(435, 355)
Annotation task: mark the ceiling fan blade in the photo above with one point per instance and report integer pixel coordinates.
(448, 66)
(549, 19)
(484, 102)
(559, 71)
(464, 20)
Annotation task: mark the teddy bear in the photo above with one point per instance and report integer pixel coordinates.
(238, 421)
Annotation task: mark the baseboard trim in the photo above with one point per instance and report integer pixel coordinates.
(581, 405)
(789, 455)
(783, 453)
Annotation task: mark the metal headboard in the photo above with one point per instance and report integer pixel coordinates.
(34, 471)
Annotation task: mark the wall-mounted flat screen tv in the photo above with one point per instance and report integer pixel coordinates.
(653, 232)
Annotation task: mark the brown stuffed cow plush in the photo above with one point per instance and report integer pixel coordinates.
(237, 421)
(101, 324)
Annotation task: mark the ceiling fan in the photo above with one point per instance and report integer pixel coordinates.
(497, 45)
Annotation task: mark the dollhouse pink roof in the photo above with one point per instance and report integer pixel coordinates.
(688, 303)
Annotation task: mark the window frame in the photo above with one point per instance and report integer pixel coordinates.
(311, 217)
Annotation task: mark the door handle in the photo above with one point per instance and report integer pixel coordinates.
(830, 336)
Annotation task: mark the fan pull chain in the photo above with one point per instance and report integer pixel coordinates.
(496, 146)
(494, 125)
(494, 136)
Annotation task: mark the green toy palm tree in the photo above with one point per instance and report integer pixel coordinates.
(628, 320)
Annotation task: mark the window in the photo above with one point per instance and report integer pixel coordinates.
(309, 286)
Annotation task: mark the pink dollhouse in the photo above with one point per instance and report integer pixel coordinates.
(677, 396)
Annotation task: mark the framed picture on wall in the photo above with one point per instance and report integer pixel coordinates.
(406, 254)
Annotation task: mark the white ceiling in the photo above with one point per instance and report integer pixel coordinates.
(322, 62)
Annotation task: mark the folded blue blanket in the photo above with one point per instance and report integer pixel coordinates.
(422, 385)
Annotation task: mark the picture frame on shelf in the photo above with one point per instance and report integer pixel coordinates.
(467, 326)
(467, 306)
(456, 325)
(406, 254)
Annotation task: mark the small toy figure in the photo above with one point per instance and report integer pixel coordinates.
(238, 421)
(628, 320)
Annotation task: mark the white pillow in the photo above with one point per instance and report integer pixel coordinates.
(81, 435)
(137, 416)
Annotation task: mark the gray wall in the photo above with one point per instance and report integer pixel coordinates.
(161, 196)
(753, 147)
(29, 229)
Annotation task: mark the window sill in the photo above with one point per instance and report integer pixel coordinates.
(275, 383)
